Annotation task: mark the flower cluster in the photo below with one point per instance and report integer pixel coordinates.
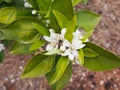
(67, 48)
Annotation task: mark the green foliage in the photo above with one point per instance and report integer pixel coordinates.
(21, 30)
(64, 79)
(60, 69)
(104, 61)
(85, 1)
(63, 6)
(87, 20)
(38, 66)
(19, 48)
(81, 56)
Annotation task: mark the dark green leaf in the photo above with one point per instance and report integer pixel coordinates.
(104, 61)
(19, 48)
(85, 1)
(38, 66)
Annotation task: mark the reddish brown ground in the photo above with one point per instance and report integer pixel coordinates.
(107, 35)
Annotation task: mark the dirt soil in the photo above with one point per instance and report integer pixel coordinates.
(107, 35)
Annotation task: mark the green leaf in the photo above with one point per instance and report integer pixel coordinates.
(105, 61)
(10, 14)
(87, 20)
(81, 56)
(37, 45)
(18, 48)
(7, 15)
(61, 19)
(2, 56)
(8, 1)
(60, 69)
(44, 6)
(75, 2)
(42, 29)
(22, 31)
(63, 6)
(71, 26)
(64, 79)
(90, 53)
(38, 66)
(51, 52)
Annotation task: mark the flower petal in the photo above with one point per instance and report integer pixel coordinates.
(49, 47)
(67, 52)
(66, 43)
(71, 57)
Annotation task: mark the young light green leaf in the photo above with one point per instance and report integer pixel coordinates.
(87, 19)
(60, 69)
(59, 85)
(38, 66)
(81, 56)
(90, 53)
(37, 45)
(51, 52)
(75, 2)
(42, 29)
(18, 48)
(22, 31)
(105, 61)
(71, 26)
(61, 19)
(2, 56)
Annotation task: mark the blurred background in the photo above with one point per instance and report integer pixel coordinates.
(106, 35)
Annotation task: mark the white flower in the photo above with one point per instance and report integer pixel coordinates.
(77, 34)
(54, 39)
(70, 49)
(34, 12)
(1, 47)
(27, 5)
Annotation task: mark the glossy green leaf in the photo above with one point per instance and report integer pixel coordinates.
(21, 31)
(42, 29)
(87, 20)
(44, 6)
(90, 53)
(38, 66)
(71, 26)
(59, 85)
(37, 45)
(81, 56)
(18, 48)
(60, 69)
(61, 19)
(75, 2)
(105, 61)
(2, 56)
(63, 6)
